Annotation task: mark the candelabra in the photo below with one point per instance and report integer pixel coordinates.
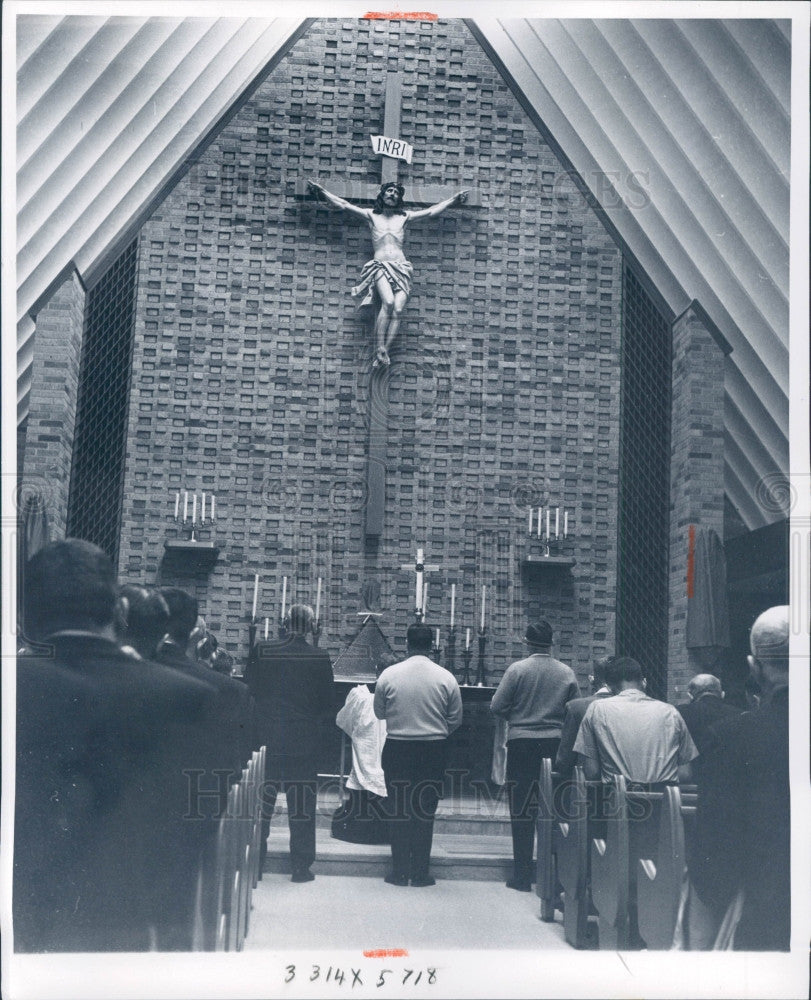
(480, 671)
(467, 656)
(450, 658)
(193, 524)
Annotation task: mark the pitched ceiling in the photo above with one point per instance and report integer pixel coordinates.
(680, 129)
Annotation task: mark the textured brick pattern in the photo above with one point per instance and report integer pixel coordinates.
(52, 411)
(697, 474)
(250, 370)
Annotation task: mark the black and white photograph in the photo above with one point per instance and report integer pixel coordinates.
(406, 506)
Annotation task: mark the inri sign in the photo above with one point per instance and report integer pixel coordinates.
(392, 147)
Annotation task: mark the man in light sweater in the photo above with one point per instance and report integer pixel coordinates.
(422, 706)
(532, 697)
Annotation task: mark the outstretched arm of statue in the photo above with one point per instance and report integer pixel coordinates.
(426, 213)
(336, 200)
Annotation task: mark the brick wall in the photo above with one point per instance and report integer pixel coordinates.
(251, 364)
(697, 475)
(50, 426)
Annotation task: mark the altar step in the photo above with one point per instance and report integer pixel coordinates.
(471, 841)
(484, 815)
(453, 856)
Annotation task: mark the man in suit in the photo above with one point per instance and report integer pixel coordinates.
(421, 704)
(743, 829)
(233, 721)
(292, 683)
(144, 620)
(573, 715)
(531, 696)
(705, 709)
(104, 856)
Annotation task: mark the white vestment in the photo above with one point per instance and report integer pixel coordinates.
(368, 734)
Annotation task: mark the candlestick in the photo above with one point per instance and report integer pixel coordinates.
(484, 597)
(530, 521)
(203, 511)
(557, 521)
(540, 516)
(453, 602)
(255, 595)
(547, 522)
(267, 626)
(481, 675)
(177, 504)
(213, 501)
(565, 523)
(194, 509)
(318, 600)
(467, 638)
(450, 650)
(418, 574)
(424, 599)
(185, 505)
(284, 595)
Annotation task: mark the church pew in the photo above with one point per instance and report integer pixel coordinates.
(610, 860)
(546, 877)
(571, 836)
(638, 866)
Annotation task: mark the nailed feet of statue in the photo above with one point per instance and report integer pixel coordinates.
(382, 359)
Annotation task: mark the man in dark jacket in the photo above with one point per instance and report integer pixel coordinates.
(705, 709)
(292, 683)
(573, 715)
(104, 856)
(743, 824)
(233, 720)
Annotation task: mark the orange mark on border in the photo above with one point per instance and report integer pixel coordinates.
(386, 953)
(400, 15)
(691, 559)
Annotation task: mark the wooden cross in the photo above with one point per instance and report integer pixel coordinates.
(378, 386)
(419, 569)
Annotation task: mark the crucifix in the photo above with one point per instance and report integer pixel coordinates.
(419, 569)
(386, 279)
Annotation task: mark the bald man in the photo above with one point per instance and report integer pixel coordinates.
(705, 709)
(743, 836)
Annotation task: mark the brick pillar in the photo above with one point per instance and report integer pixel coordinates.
(52, 403)
(696, 469)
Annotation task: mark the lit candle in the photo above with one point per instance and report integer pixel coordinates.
(177, 504)
(557, 521)
(540, 516)
(255, 596)
(453, 602)
(213, 501)
(484, 597)
(203, 511)
(318, 601)
(284, 595)
(565, 523)
(467, 638)
(530, 521)
(194, 509)
(185, 505)
(425, 599)
(267, 626)
(547, 522)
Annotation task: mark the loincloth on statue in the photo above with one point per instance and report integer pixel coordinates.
(398, 273)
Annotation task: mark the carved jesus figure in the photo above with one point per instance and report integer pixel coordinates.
(389, 272)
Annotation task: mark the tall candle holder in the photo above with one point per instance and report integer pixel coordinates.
(316, 631)
(450, 645)
(467, 656)
(252, 640)
(480, 671)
